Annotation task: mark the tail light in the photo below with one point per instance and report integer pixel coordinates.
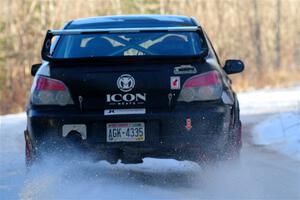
(202, 87)
(47, 91)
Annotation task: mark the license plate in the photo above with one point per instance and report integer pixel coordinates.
(125, 132)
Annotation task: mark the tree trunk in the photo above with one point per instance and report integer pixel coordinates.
(257, 35)
(278, 38)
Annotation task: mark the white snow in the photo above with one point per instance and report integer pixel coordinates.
(281, 133)
(281, 130)
(268, 101)
(12, 139)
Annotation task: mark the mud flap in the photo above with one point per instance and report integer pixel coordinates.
(239, 135)
(29, 155)
(235, 142)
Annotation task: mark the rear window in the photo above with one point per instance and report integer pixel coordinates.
(129, 44)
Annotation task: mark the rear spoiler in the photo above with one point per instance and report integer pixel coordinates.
(46, 53)
(122, 30)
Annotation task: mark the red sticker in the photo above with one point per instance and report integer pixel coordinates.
(175, 82)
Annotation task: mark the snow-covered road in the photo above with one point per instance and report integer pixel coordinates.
(260, 174)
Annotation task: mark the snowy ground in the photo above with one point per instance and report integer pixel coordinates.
(268, 101)
(259, 175)
(279, 129)
(281, 133)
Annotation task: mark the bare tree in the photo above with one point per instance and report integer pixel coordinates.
(257, 35)
(264, 33)
(278, 37)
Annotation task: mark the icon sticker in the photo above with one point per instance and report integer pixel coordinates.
(175, 82)
(125, 83)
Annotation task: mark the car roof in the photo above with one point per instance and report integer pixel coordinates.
(131, 21)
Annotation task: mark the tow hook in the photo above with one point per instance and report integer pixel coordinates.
(188, 124)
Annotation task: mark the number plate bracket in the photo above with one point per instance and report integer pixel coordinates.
(125, 132)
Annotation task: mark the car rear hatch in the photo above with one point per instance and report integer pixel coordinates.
(96, 86)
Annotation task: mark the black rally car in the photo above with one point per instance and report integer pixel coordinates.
(129, 87)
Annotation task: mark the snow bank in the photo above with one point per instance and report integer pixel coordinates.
(11, 132)
(269, 101)
(281, 133)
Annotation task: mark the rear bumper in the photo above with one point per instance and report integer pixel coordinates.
(165, 131)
